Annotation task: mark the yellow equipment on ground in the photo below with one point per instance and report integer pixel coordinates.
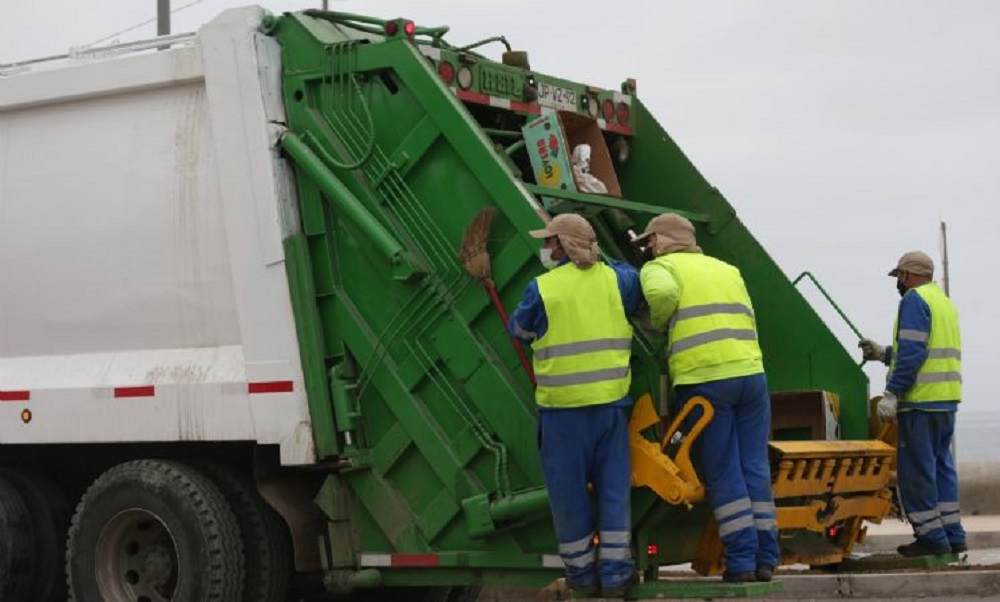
(821, 488)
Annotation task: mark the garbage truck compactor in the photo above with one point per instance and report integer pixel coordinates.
(241, 354)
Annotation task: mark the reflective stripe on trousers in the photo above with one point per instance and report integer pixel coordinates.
(764, 516)
(615, 545)
(621, 538)
(578, 554)
(733, 517)
(927, 527)
(925, 521)
(950, 514)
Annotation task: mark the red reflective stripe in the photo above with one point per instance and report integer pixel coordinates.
(146, 391)
(526, 107)
(15, 395)
(618, 129)
(469, 95)
(405, 560)
(274, 386)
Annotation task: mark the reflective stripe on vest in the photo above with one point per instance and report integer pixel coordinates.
(583, 358)
(940, 376)
(714, 323)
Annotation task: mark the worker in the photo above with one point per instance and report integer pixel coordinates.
(703, 306)
(574, 316)
(923, 390)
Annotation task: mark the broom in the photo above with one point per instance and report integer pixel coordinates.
(476, 260)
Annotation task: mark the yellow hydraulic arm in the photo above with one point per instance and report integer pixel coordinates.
(673, 480)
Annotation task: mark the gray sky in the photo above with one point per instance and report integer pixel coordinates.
(842, 131)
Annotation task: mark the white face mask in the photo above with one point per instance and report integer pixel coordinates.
(545, 255)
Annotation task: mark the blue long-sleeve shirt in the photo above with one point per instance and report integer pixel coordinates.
(911, 353)
(530, 322)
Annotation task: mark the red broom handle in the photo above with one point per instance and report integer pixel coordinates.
(492, 292)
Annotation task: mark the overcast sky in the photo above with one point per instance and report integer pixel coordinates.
(842, 131)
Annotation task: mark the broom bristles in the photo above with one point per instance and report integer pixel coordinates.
(473, 253)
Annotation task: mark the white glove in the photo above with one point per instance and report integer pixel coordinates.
(887, 407)
(871, 350)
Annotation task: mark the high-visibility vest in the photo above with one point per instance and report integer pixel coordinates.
(583, 357)
(713, 333)
(940, 376)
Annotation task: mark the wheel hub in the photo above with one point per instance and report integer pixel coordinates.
(136, 559)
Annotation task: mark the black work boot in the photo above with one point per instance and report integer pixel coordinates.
(619, 590)
(744, 577)
(919, 548)
(585, 591)
(765, 573)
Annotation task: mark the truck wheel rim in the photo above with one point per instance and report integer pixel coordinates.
(136, 559)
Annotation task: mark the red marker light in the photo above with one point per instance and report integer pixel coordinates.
(652, 549)
(409, 28)
(391, 28)
(447, 72)
(623, 113)
(608, 108)
(832, 531)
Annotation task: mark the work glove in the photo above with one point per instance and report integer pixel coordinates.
(887, 407)
(871, 350)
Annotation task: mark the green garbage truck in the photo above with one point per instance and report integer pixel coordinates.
(243, 356)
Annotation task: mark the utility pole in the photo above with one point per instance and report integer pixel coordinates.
(944, 258)
(945, 286)
(162, 17)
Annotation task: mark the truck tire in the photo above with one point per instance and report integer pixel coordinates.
(17, 545)
(266, 541)
(49, 513)
(154, 530)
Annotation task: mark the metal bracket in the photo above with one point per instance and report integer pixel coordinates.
(609, 201)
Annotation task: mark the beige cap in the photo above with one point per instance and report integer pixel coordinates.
(576, 237)
(914, 262)
(566, 224)
(673, 233)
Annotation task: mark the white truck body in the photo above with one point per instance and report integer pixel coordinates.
(143, 204)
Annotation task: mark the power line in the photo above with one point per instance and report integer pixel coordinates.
(139, 25)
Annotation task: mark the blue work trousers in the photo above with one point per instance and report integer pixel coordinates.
(577, 446)
(928, 482)
(731, 457)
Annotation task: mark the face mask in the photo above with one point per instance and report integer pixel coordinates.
(900, 287)
(545, 255)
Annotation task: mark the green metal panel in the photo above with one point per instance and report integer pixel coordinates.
(393, 166)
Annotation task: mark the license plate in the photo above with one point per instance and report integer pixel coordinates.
(557, 97)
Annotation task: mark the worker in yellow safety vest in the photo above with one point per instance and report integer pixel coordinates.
(574, 316)
(923, 390)
(712, 352)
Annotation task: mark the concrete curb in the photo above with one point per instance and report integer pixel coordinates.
(922, 584)
(884, 586)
